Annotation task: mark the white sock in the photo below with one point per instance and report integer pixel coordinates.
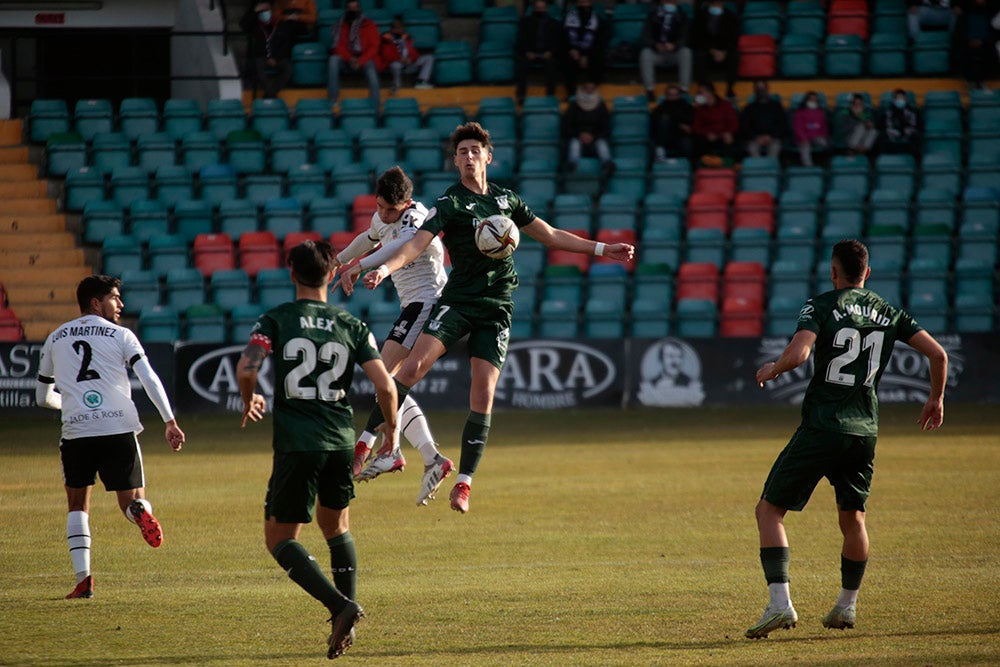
(414, 426)
(847, 598)
(144, 503)
(464, 478)
(368, 438)
(78, 536)
(780, 598)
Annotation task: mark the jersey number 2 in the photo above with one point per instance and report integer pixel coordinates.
(851, 339)
(330, 353)
(85, 373)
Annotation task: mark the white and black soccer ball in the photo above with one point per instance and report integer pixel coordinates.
(497, 236)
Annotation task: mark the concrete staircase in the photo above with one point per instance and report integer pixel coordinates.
(40, 263)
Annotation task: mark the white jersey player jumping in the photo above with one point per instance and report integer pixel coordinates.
(87, 360)
(419, 285)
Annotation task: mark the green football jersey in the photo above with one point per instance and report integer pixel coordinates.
(855, 332)
(314, 347)
(475, 276)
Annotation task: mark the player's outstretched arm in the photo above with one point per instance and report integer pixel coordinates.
(560, 239)
(932, 412)
(249, 365)
(385, 395)
(793, 356)
(408, 252)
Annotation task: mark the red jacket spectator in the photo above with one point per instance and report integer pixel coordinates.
(366, 41)
(389, 52)
(716, 119)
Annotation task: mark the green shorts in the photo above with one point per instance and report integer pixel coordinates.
(487, 323)
(297, 478)
(847, 461)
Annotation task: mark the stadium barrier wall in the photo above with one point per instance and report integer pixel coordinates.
(556, 374)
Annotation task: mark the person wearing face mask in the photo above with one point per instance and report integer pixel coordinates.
(857, 126)
(764, 122)
(585, 36)
(713, 42)
(269, 48)
(665, 44)
(900, 130)
(715, 126)
(670, 126)
(810, 128)
(538, 38)
(354, 48)
(398, 54)
(587, 127)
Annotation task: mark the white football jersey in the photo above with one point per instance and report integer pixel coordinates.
(89, 359)
(422, 279)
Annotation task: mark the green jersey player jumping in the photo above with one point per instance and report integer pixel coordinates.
(853, 330)
(477, 298)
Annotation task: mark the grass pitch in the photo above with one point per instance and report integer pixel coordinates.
(594, 538)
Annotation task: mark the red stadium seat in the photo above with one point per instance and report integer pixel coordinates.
(214, 252)
(744, 280)
(361, 212)
(848, 17)
(716, 180)
(753, 210)
(292, 239)
(698, 280)
(340, 240)
(10, 326)
(259, 250)
(741, 318)
(757, 56)
(708, 210)
(610, 236)
(567, 258)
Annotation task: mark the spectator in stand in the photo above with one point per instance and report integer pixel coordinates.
(398, 54)
(587, 127)
(585, 36)
(354, 46)
(665, 44)
(301, 17)
(857, 124)
(764, 122)
(933, 14)
(713, 42)
(715, 126)
(670, 125)
(269, 48)
(901, 125)
(810, 128)
(977, 40)
(538, 37)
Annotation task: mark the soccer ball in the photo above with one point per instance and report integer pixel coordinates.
(497, 236)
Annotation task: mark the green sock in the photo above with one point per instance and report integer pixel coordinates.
(303, 569)
(474, 436)
(344, 562)
(376, 417)
(775, 562)
(851, 573)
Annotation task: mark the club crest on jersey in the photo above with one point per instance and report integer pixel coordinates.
(93, 399)
(470, 206)
(502, 203)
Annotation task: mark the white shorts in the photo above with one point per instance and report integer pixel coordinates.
(410, 323)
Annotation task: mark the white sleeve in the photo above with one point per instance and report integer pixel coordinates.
(359, 246)
(154, 388)
(387, 250)
(46, 395)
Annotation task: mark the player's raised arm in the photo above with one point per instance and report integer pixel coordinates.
(408, 252)
(932, 412)
(385, 394)
(246, 376)
(794, 355)
(560, 239)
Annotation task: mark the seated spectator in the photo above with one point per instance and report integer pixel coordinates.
(713, 42)
(933, 14)
(354, 46)
(665, 44)
(764, 122)
(586, 127)
(810, 128)
(585, 36)
(538, 36)
(301, 16)
(714, 128)
(977, 39)
(857, 125)
(901, 125)
(269, 48)
(398, 54)
(670, 125)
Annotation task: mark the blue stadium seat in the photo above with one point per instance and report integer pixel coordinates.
(217, 183)
(159, 324)
(138, 116)
(167, 252)
(140, 289)
(181, 117)
(313, 115)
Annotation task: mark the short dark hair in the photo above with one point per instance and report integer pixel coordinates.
(394, 186)
(852, 256)
(311, 262)
(471, 130)
(95, 287)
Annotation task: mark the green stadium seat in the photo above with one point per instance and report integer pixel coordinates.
(936, 206)
(199, 149)
(245, 152)
(229, 288)
(140, 290)
(671, 176)
(499, 23)
(138, 116)
(328, 215)
(236, 217)
(604, 319)
(333, 148)
(167, 252)
(750, 244)
(283, 216)
(844, 56)
(761, 174)
(378, 146)
(205, 323)
(930, 52)
(890, 208)
(896, 172)
(782, 315)
(64, 152)
(350, 180)
(306, 182)
(155, 150)
(530, 259)
(806, 17)
(697, 318)
(444, 120)
(805, 179)
(616, 211)
(495, 62)
(258, 188)
(452, 63)
(313, 115)
(705, 245)
(850, 173)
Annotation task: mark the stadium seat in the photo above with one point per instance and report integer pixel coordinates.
(181, 117)
(662, 216)
(401, 114)
(362, 209)
(236, 217)
(382, 315)
(887, 243)
(705, 244)
(558, 319)
(259, 250)
(444, 120)
(93, 116)
(309, 64)
(604, 319)
(269, 116)
(848, 17)
(64, 152)
(101, 219)
(47, 117)
(931, 243)
(572, 211)
(741, 318)
(156, 150)
(844, 55)
(159, 324)
(349, 181)
(750, 244)
(193, 217)
(761, 174)
(82, 186)
(616, 211)
(422, 150)
(890, 209)
(782, 314)
(698, 280)
(217, 183)
(282, 216)
(886, 279)
(628, 179)
(936, 206)
(895, 172)
(229, 288)
(708, 210)
(213, 252)
(120, 253)
(274, 287)
(974, 313)
(529, 259)
(314, 115)
(167, 252)
(564, 283)
(138, 116)
(205, 323)
(333, 148)
(805, 179)
(184, 287)
(258, 188)
(287, 150)
(495, 62)
(452, 63)
(499, 23)
(671, 176)
(378, 146)
(245, 152)
(612, 236)
(696, 318)
(109, 150)
(128, 184)
(328, 215)
(306, 182)
(850, 173)
(223, 116)
(930, 53)
(199, 149)
(630, 125)
(242, 318)
(887, 54)
(465, 7)
(140, 289)
(757, 56)
(538, 184)
(753, 209)
(806, 17)
(148, 217)
(586, 179)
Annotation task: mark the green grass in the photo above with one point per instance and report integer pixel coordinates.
(594, 538)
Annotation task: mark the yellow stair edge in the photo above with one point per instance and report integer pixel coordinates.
(39, 330)
(49, 241)
(18, 173)
(14, 155)
(38, 206)
(35, 189)
(17, 278)
(24, 294)
(21, 259)
(31, 224)
(10, 132)
(29, 312)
